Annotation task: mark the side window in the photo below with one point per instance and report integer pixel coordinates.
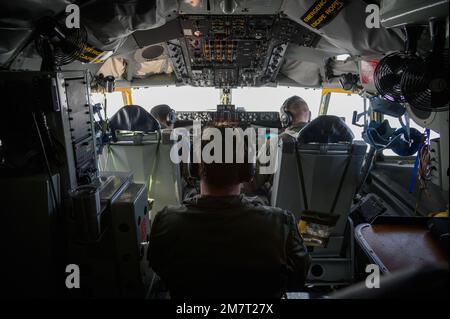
(343, 105)
(394, 123)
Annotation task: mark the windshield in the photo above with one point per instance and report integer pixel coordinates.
(206, 99)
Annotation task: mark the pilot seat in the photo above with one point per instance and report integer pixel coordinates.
(143, 149)
(317, 176)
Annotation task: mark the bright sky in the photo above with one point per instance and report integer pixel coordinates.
(187, 98)
(252, 99)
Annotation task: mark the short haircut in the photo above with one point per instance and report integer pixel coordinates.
(296, 102)
(222, 174)
(160, 113)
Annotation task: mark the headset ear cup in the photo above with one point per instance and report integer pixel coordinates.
(286, 119)
(286, 116)
(171, 117)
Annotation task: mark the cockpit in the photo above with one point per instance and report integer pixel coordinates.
(102, 103)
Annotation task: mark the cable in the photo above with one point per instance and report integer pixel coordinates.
(155, 161)
(105, 105)
(367, 167)
(424, 169)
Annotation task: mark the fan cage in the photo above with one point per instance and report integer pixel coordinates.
(67, 44)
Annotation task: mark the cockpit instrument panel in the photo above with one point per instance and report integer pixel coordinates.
(233, 51)
(238, 118)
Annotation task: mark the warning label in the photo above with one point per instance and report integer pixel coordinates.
(93, 55)
(322, 12)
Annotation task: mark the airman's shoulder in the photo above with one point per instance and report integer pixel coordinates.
(276, 212)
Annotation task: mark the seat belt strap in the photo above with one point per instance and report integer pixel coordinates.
(341, 182)
(155, 163)
(301, 176)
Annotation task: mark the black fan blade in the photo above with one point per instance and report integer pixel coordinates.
(388, 81)
(391, 63)
(426, 85)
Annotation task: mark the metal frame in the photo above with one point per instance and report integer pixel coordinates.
(366, 248)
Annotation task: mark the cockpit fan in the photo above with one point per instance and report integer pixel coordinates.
(425, 85)
(57, 44)
(389, 71)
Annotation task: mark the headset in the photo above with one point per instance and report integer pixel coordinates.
(286, 117)
(171, 117)
(246, 170)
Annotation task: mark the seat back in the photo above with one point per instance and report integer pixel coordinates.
(319, 171)
(150, 163)
(318, 177)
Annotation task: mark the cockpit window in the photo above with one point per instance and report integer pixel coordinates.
(203, 99)
(394, 123)
(343, 105)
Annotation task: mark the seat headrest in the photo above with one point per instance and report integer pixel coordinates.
(133, 118)
(326, 129)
